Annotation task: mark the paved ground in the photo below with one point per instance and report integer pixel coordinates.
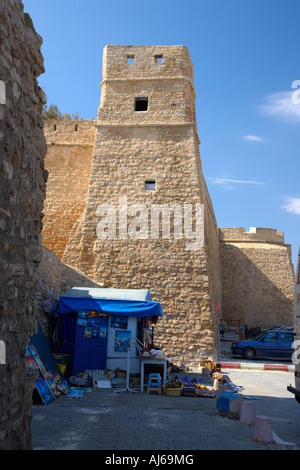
(109, 421)
(114, 422)
(104, 420)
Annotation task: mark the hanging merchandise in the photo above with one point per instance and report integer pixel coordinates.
(146, 337)
(47, 304)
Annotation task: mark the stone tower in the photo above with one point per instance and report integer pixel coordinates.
(146, 159)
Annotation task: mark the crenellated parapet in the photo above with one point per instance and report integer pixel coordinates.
(255, 234)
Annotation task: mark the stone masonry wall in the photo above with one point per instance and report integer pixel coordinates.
(68, 161)
(257, 276)
(22, 192)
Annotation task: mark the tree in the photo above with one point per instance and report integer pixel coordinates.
(74, 117)
(52, 112)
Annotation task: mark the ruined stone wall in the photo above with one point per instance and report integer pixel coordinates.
(161, 145)
(22, 192)
(257, 276)
(68, 161)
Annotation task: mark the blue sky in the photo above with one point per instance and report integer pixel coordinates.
(246, 63)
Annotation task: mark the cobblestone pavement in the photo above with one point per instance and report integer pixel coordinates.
(105, 420)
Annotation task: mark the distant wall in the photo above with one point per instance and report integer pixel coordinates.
(257, 276)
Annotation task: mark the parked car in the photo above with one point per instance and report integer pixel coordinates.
(273, 344)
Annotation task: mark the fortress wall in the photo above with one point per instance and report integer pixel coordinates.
(68, 161)
(257, 276)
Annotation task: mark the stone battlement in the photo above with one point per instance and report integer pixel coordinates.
(70, 132)
(255, 234)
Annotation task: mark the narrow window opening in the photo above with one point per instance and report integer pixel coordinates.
(76, 128)
(158, 59)
(141, 104)
(150, 185)
(130, 59)
(54, 127)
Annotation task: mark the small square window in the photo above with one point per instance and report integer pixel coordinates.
(158, 59)
(150, 185)
(130, 59)
(141, 104)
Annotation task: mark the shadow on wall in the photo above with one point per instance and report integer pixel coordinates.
(53, 279)
(250, 295)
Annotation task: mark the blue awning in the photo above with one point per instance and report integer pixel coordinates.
(127, 302)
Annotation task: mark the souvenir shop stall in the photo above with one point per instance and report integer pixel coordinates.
(107, 339)
(99, 329)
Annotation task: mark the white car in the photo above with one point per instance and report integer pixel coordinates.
(279, 328)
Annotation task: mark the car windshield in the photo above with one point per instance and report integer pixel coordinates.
(260, 335)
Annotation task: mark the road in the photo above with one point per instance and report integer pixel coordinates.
(274, 399)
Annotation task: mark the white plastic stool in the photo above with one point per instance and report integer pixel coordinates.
(248, 412)
(263, 430)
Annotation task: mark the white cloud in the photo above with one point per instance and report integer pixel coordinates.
(292, 205)
(229, 183)
(284, 105)
(254, 138)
